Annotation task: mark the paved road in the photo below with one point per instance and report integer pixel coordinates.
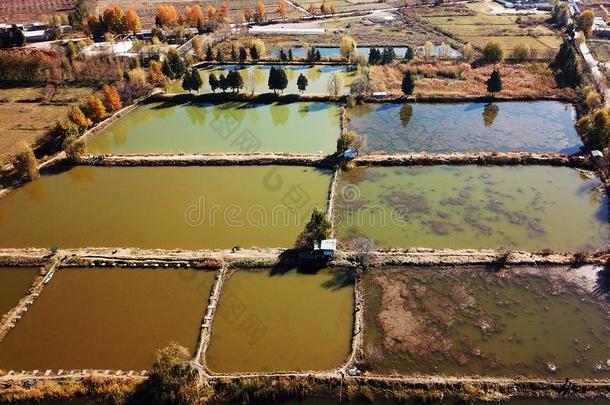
(598, 76)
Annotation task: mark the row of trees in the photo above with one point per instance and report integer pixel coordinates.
(112, 20)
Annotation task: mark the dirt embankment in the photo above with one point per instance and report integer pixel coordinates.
(215, 159)
(331, 161)
(476, 158)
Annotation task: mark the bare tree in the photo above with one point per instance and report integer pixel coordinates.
(364, 248)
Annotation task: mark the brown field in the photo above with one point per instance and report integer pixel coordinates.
(405, 29)
(26, 117)
(25, 11)
(600, 50)
(475, 24)
(455, 79)
(344, 6)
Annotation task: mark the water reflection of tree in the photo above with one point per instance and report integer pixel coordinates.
(354, 175)
(196, 114)
(36, 190)
(405, 114)
(279, 114)
(120, 133)
(81, 174)
(314, 74)
(303, 109)
(490, 112)
(361, 109)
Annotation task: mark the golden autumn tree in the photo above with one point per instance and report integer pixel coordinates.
(211, 12)
(323, 7)
(167, 16)
(282, 8)
(312, 8)
(132, 21)
(223, 13)
(248, 14)
(192, 15)
(95, 108)
(76, 115)
(114, 18)
(112, 98)
(155, 73)
(261, 11)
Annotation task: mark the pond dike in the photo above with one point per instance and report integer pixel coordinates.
(331, 161)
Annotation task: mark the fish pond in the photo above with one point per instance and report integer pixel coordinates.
(524, 207)
(164, 207)
(335, 52)
(524, 321)
(538, 126)
(14, 285)
(256, 77)
(234, 127)
(280, 320)
(108, 319)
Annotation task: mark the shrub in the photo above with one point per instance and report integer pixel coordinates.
(73, 147)
(64, 129)
(521, 52)
(175, 380)
(25, 162)
(493, 52)
(350, 139)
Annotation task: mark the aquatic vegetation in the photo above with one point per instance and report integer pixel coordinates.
(525, 207)
(474, 321)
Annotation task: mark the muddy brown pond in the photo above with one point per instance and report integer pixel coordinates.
(14, 284)
(282, 320)
(108, 319)
(523, 321)
(524, 207)
(164, 207)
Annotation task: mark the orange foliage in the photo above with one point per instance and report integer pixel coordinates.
(192, 15)
(112, 98)
(248, 14)
(155, 74)
(261, 11)
(211, 11)
(312, 8)
(114, 18)
(168, 16)
(223, 14)
(95, 108)
(282, 8)
(132, 21)
(77, 117)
